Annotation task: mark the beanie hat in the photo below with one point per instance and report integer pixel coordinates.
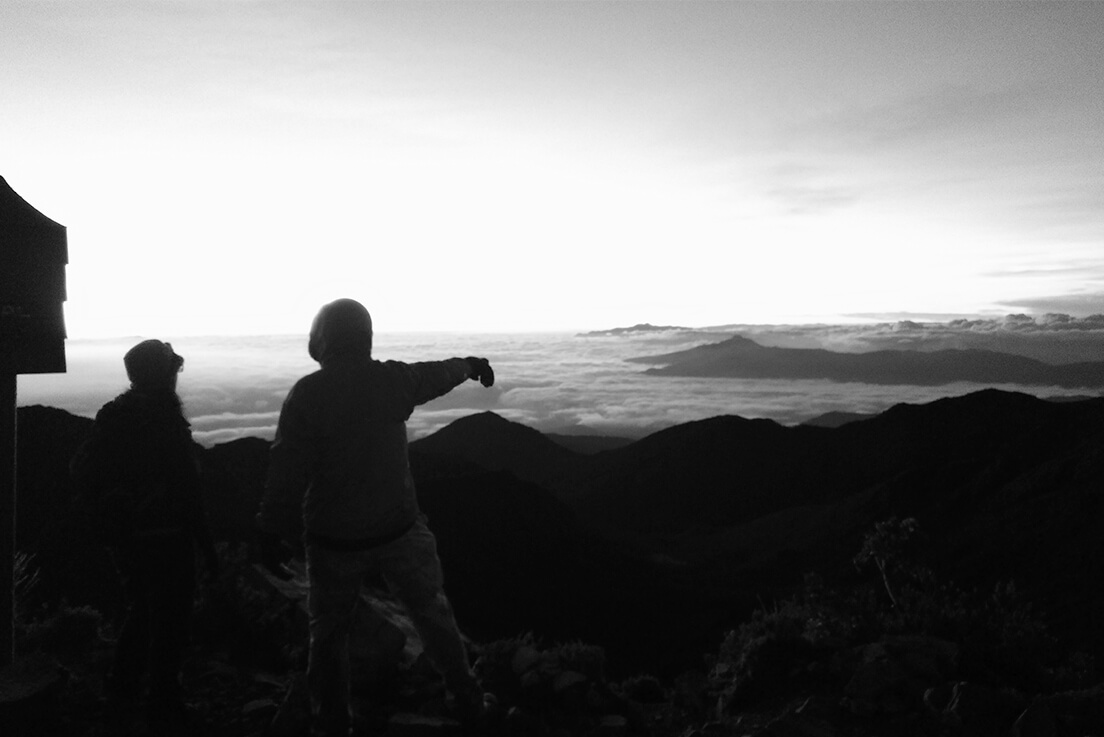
(340, 326)
(151, 363)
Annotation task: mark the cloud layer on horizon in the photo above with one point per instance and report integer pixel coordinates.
(234, 387)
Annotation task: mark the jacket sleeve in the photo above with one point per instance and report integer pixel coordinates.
(292, 458)
(431, 379)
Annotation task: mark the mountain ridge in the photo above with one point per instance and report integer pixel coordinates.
(740, 357)
(691, 524)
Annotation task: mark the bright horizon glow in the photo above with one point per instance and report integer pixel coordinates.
(225, 168)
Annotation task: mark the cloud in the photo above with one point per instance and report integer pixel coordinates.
(931, 116)
(566, 383)
(1051, 337)
(1091, 305)
(802, 199)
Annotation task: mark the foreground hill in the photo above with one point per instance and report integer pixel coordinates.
(739, 357)
(1009, 486)
(516, 558)
(687, 528)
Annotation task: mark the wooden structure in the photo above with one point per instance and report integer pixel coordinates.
(33, 256)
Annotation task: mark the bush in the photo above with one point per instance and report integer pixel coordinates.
(1002, 640)
(68, 632)
(644, 688)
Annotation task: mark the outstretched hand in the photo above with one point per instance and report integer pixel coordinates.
(481, 370)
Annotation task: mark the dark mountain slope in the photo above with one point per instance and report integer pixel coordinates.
(1005, 486)
(517, 560)
(740, 357)
(1024, 505)
(495, 443)
(727, 470)
(234, 476)
(702, 474)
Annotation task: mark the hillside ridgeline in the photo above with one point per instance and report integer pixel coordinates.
(742, 358)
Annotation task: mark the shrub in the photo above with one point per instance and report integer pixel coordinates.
(556, 686)
(644, 688)
(68, 632)
(1001, 638)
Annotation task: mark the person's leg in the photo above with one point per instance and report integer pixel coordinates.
(172, 594)
(332, 597)
(413, 572)
(132, 645)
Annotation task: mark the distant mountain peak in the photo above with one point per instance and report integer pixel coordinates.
(642, 327)
(739, 357)
(486, 421)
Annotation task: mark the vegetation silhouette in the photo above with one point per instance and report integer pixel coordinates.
(753, 617)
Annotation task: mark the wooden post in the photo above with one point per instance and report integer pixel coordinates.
(33, 253)
(7, 518)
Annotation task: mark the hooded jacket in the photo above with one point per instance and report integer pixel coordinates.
(138, 469)
(338, 467)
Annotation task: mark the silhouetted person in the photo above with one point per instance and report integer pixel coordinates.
(340, 477)
(139, 476)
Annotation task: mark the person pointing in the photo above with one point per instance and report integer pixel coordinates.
(339, 479)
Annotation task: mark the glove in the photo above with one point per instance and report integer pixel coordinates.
(480, 370)
(274, 554)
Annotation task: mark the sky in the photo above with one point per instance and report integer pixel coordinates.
(224, 168)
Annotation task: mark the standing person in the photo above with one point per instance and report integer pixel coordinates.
(339, 476)
(139, 475)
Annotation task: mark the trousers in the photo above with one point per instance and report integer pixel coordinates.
(158, 577)
(412, 570)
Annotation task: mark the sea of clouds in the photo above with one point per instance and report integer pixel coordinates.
(233, 387)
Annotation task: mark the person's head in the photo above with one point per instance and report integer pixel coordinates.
(152, 366)
(342, 327)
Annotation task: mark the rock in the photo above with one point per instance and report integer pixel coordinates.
(376, 648)
(1036, 721)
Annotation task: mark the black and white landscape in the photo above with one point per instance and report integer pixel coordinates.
(653, 549)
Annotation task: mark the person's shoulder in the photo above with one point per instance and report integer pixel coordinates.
(389, 365)
(116, 409)
(308, 382)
